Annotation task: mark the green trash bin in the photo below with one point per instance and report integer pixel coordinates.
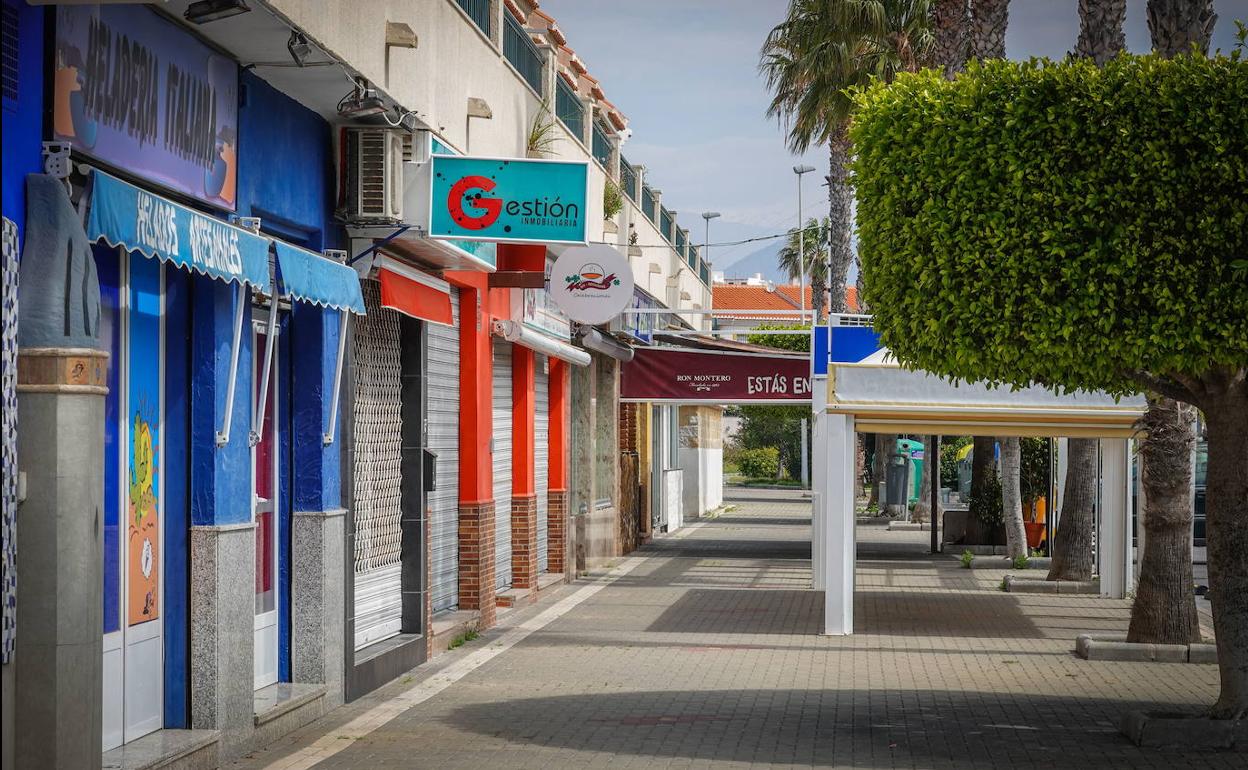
(914, 450)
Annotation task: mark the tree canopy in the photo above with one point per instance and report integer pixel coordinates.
(1059, 223)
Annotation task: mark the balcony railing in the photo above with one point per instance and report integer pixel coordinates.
(665, 223)
(692, 259)
(569, 108)
(681, 241)
(602, 146)
(518, 48)
(479, 12)
(704, 272)
(647, 202)
(628, 179)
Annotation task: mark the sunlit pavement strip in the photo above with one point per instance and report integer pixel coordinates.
(342, 737)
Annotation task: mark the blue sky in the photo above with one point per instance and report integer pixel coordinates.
(685, 72)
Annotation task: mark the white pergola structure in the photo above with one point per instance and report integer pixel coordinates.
(877, 396)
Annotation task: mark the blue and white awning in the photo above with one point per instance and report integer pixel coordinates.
(136, 220)
(313, 278)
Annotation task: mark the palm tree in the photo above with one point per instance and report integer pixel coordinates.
(821, 49)
(988, 22)
(951, 43)
(814, 263)
(1164, 610)
(1100, 30)
(1100, 39)
(1175, 25)
(988, 19)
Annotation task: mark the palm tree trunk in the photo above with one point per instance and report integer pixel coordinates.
(988, 22)
(1012, 497)
(885, 443)
(951, 26)
(1072, 544)
(1175, 25)
(1164, 611)
(1100, 30)
(840, 219)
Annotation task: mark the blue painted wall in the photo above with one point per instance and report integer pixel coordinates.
(286, 177)
(220, 476)
(177, 496)
(23, 116)
(285, 167)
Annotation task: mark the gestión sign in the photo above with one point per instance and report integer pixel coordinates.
(591, 284)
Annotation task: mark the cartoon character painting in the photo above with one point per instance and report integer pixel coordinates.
(144, 526)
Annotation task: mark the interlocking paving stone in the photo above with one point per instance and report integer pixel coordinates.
(707, 654)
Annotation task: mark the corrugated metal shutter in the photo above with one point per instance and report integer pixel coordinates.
(541, 452)
(378, 436)
(502, 463)
(443, 415)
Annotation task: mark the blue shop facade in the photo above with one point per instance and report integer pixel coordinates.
(207, 197)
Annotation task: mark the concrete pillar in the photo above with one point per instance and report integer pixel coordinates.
(581, 476)
(58, 659)
(838, 528)
(1114, 550)
(61, 384)
(819, 500)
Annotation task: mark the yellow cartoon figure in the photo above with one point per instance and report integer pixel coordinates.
(143, 558)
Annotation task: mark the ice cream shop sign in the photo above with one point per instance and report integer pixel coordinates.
(137, 92)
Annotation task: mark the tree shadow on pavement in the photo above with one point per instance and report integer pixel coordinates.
(862, 728)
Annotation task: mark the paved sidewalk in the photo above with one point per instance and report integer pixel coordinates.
(703, 651)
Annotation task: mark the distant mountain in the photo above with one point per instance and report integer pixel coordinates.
(763, 260)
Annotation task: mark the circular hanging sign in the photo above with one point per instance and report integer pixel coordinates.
(591, 284)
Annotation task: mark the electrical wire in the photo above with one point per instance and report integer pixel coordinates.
(697, 245)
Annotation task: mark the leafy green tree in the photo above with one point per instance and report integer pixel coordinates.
(1082, 228)
(796, 342)
(822, 48)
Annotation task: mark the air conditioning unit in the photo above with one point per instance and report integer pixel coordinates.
(373, 175)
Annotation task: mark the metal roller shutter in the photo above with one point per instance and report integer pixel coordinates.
(502, 464)
(443, 432)
(541, 452)
(378, 436)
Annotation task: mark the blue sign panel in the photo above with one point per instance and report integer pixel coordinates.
(842, 345)
(138, 92)
(124, 215)
(508, 200)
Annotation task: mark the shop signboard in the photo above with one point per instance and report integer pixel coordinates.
(508, 200)
(696, 376)
(591, 284)
(139, 93)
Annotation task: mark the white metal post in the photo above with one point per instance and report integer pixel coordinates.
(838, 528)
(240, 308)
(1114, 551)
(819, 494)
(330, 429)
(257, 418)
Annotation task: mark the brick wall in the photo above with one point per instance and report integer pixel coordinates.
(524, 542)
(557, 532)
(476, 560)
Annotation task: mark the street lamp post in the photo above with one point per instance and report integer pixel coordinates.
(706, 244)
(801, 238)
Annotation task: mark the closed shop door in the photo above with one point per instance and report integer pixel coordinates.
(502, 463)
(378, 436)
(541, 453)
(443, 400)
